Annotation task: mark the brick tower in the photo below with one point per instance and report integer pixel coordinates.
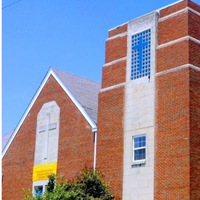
(149, 106)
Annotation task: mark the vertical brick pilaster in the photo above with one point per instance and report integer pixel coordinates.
(177, 108)
(111, 110)
(195, 134)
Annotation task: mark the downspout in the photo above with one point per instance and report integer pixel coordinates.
(95, 150)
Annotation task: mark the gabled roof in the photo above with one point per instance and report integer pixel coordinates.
(82, 92)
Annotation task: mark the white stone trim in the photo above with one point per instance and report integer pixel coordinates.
(39, 183)
(179, 12)
(172, 42)
(177, 69)
(117, 26)
(135, 19)
(74, 100)
(115, 61)
(139, 117)
(116, 36)
(194, 11)
(194, 39)
(178, 40)
(112, 87)
(194, 67)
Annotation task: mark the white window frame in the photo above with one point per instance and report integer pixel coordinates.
(36, 187)
(144, 147)
(38, 184)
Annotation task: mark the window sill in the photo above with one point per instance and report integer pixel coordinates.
(139, 163)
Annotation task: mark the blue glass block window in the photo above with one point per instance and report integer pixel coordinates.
(141, 54)
(139, 148)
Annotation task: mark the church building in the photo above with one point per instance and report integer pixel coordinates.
(140, 127)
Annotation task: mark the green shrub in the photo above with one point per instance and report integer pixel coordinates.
(88, 185)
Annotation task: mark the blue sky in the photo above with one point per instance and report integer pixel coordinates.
(67, 34)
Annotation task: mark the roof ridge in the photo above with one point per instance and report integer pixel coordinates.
(53, 68)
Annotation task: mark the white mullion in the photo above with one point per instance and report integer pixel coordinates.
(140, 148)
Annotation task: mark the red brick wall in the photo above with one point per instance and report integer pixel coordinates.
(186, 23)
(193, 23)
(179, 6)
(194, 6)
(172, 158)
(177, 171)
(118, 30)
(195, 134)
(110, 138)
(194, 53)
(75, 144)
(110, 113)
(116, 49)
(168, 33)
(114, 74)
(173, 55)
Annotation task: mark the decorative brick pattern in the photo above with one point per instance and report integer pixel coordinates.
(75, 143)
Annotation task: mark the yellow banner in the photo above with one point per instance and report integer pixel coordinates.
(41, 172)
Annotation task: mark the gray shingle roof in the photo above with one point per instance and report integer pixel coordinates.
(84, 90)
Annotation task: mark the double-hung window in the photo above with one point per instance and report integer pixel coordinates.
(139, 148)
